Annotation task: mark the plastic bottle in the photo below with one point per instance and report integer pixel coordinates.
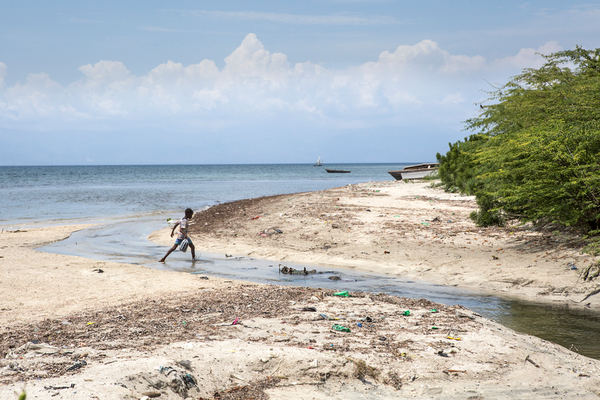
(341, 328)
(342, 294)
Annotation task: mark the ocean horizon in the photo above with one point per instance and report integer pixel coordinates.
(58, 194)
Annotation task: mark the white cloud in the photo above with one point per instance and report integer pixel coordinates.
(256, 85)
(528, 58)
(427, 54)
(3, 70)
(105, 72)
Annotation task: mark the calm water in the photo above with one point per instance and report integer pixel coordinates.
(34, 194)
(132, 201)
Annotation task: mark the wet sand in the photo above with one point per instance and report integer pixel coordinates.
(68, 331)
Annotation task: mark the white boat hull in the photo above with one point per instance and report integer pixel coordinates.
(416, 174)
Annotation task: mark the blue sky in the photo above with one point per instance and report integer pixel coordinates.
(152, 82)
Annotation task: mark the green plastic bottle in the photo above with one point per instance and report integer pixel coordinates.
(342, 294)
(341, 328)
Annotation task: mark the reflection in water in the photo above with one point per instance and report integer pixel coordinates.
(126, 241)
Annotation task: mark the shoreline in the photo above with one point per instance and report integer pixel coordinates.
(69, 330)
(399, 229)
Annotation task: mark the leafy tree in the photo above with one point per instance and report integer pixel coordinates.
(536, 157)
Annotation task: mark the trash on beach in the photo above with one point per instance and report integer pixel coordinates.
(359, 324)
(433, 310)
(270, 231)
(453, 338)
(313, 309)
(291, 271)
(325, 316)
(77, 365)
(531, 361)
(342, 294)
(442, 353)
(235, 322)
(434, 327)
(90, 323)
(340, 328)
(257, 217)
(406, 313)
(151, 395)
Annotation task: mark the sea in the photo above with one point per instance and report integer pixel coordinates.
(127, 203)
(69, 194)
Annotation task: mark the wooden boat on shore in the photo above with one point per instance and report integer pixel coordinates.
(337, 171)
(417, 171)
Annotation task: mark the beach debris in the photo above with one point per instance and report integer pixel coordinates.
(257, 217)
(180, 382)
(291, 271)
(77, 365)
(453, 338)
(359, 324)
(151, 395)
(531, 361)
(342, 294)
(270, 231)
(312, 309)
(187, 364)
(334, 278)
(442, 353)
(406, 313)
(433, 310)
(98, 270)
(340, 328)
(71, 386)
(235, 322)
(362, 370)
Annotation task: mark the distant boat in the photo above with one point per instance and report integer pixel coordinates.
(337, 171)
(417, 171)
(319, 162)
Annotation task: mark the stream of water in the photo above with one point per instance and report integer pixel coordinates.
(125, 240)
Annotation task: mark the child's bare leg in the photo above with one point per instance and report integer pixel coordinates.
(193, 249)
(172, 249)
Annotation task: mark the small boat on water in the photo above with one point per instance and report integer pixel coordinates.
(337, 171)
(319, 162)
(417, 171)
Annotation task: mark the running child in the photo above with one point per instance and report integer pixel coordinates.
(183, 224)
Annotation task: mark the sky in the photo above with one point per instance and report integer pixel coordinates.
(235, 82)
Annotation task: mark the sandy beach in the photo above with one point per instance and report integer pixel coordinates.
(69, 331)
(405, 229)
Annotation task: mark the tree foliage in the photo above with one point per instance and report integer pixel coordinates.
(536, 154)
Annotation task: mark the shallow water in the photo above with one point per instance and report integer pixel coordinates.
(124, 240)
